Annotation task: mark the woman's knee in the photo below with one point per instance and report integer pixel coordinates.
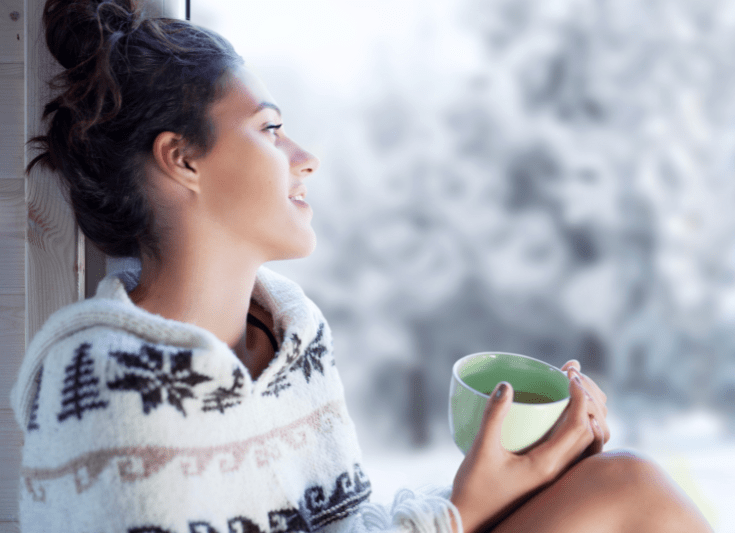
(609, 492)
(620, 469)
(642, 493)
(626, 479)
(594, 495)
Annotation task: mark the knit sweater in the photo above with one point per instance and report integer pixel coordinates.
(136, 423)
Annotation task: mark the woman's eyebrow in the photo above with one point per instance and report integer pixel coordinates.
(267, 105)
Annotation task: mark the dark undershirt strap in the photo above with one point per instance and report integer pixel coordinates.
(258, 324)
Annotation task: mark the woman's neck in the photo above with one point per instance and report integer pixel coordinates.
(255, 349)
(210, 292)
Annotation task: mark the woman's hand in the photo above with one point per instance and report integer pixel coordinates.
(491, 481)
(596, 406)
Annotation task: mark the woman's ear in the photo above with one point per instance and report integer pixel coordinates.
(173, 157)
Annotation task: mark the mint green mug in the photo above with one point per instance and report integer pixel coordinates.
(541, 392)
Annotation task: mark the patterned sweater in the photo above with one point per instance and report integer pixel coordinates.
(139, 424)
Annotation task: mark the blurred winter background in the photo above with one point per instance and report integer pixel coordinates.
(548, 177)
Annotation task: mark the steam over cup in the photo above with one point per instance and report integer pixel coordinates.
(541, 392)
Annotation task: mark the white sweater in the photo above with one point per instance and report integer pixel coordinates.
(139, 424)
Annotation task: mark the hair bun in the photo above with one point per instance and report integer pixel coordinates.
(76, 30)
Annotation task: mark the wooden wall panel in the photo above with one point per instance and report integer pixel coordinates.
(54, 266)
(12, 318)
(38, 277)
(12, 247)
(12, 25)
(11, 436)
(12, 120)
(12, 238)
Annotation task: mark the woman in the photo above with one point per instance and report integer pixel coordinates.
(199, 394)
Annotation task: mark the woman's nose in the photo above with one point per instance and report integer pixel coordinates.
(304, 162)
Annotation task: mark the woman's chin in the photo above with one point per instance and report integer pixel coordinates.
(304, 248)
(309, 247)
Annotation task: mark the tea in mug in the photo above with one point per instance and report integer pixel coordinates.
(480, 382)
(530, 397)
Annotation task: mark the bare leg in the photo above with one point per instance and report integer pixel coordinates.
(608, 492)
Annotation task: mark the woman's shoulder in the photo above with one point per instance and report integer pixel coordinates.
(103, 334)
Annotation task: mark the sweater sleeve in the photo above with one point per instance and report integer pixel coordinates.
(424, 511)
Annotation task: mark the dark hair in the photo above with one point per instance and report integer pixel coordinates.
(127, 79)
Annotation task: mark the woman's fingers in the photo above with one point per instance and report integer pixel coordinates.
(591, 385)
(593, 388)
(572, 437)
(600, 439)
(573, 367)
(492, 419)
(596, 405)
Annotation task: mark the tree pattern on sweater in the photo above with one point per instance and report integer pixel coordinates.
(223, 398)
(308, 362)
(157, 378)
(280, 381)
(80, 392)
(33, 417)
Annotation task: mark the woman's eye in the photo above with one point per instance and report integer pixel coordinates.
(273, 127)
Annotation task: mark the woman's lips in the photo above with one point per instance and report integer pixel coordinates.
(299, 200)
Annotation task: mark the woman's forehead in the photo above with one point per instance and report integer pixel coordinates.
(245, 94)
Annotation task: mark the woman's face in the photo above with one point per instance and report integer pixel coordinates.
(252, 180)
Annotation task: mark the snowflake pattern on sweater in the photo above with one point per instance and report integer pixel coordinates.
(156, 377)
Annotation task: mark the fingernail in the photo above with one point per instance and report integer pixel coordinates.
(501, 390)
